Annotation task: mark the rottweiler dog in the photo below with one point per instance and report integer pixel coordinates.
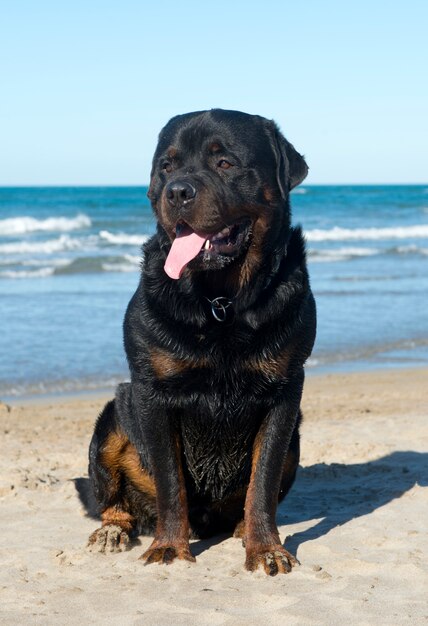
(205, 437)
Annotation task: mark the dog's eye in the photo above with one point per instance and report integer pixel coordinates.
(223, 164)
(167, 167)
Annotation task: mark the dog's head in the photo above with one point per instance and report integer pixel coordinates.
(219, 187)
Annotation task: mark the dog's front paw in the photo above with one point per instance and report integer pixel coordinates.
(109, 538)
(167, 553)
(274, 559)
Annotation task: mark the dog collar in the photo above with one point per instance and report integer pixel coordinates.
(219, 307)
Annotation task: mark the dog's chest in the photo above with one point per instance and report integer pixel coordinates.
(217, 445)
(221, 393)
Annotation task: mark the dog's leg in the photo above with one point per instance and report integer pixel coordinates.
(288, 474)
(262, 542)
(124, 490)
(291, 464)
(164, 447)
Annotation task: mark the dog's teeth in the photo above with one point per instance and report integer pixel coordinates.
(207, 244)
(222, 234)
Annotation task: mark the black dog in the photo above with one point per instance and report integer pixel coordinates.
(205, 438)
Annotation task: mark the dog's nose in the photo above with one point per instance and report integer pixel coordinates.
(179, 192)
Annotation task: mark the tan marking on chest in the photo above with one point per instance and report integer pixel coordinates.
(272, 367)
(164, 364)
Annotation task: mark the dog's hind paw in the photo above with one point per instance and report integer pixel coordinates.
(109, 538)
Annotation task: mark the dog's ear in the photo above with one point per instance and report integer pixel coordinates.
(150, 190)
(291, 167)
(151, 193)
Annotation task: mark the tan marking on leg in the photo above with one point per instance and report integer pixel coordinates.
(263, 547)
(110, 457)
(118, 456)
(239, 532)
(115, 516)
(249, 500)
(131, 465)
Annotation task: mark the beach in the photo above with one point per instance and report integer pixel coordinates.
(355, 518)
(69, 264)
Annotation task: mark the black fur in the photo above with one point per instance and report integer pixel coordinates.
(230, 392)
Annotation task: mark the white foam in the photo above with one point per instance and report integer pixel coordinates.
(123, 238)
(341, 254)
(311, 362)
(43, 272)
(135, 260)
(59, 262)
(370, 234)
(64, 242)
(132, 264)
(118, 267)
(300, 191)
(412, 249)
(22, 225)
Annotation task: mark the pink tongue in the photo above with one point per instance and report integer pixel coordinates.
(184, 248)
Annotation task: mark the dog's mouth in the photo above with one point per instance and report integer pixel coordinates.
(189, 244)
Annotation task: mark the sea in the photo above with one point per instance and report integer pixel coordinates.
(70, 258)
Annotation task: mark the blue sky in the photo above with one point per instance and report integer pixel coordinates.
(86, 86)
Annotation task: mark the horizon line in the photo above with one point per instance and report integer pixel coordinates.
(138, 185)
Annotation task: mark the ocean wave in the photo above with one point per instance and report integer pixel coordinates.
(134, 260)
(341, 254)
(24, 224)
(73, 385)
(375, 351)
(9, 261)
(311, 362)
(43, 272)
(347, 254)
(99, 264)
(410, 249)
(118, 267)
(42, 268)
(56, 262)
(369, 234)
(62, 243)
(123, 238)
(300, 191)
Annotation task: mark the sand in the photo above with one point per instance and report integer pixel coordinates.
(356, 519)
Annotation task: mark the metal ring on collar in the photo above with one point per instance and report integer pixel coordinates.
(218, 308)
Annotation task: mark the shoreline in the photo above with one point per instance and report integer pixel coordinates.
(355, 518)
(321, 372)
